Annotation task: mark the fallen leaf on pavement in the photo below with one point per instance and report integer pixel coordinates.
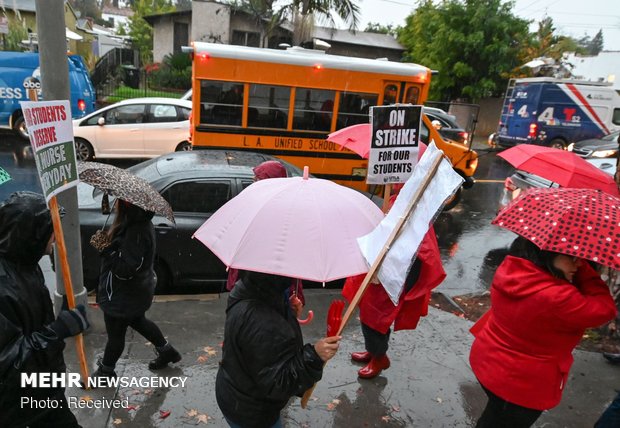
(395, 408)
(204, 418)
(117, 421)
(202, 359)
(385, 418)
(163, 414)
(439, 400)
(209, 350)
(192, 412)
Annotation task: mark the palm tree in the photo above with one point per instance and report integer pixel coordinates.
(301, 13)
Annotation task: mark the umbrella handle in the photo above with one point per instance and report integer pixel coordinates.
(307, 320)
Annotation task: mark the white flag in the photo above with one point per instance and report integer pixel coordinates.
(397, 263)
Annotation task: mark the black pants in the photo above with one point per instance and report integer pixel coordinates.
(499, 413)
(375, 342)
(117, 328)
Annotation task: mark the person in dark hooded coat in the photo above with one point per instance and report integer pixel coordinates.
(31, 338)
(126, 287)
(265, 361)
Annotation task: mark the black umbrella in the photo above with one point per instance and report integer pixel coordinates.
(119, 183)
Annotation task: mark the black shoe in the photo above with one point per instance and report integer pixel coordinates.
(168, 355)
(612, 358)
(102, 372)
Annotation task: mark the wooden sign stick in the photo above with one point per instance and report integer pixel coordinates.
(66, 274)
(375, 266)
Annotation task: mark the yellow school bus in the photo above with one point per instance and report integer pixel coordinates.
(285, 102)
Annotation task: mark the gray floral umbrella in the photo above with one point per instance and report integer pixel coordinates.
(119, 183)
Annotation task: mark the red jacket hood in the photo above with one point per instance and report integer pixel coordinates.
(519, 278)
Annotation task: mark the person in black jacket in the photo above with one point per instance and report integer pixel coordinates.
(126, 287)
(31, 338)
(265, 361)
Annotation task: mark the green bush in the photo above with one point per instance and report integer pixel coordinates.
(171, 78)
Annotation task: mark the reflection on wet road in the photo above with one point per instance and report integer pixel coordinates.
(472, 248)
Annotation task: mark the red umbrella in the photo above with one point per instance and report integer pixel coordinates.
(578, 222)
(562, 167)
(355, 138)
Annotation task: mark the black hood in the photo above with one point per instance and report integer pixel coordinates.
(259, 286)
(25, 227)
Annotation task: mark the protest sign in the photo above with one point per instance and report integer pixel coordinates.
(51, 135)
(438, 186)
(394, 143)
(4, 176)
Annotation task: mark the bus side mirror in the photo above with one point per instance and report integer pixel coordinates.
(101, 121)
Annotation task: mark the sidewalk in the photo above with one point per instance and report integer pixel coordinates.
(429, 383)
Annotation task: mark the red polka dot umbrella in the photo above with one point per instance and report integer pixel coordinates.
(579, 222)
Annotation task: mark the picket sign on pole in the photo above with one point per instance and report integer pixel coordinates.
(59, 136)
(375, 266)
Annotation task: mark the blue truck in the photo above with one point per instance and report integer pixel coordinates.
(556, 112)
(20, 73)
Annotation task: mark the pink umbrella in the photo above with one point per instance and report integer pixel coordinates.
(297, 227)
(355, 138)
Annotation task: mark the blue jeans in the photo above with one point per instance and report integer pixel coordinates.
(278, 423)
(611, 416)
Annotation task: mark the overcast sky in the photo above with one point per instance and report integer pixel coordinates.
(571, 17)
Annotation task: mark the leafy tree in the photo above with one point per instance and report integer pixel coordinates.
(17, 32)
(140, 31)
(472, 43)
(304, 12)
(373, 27)
(596, 44)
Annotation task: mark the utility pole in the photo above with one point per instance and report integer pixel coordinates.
(55, 84)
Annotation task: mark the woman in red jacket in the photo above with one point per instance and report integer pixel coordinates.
(378, 313)
(541, 304)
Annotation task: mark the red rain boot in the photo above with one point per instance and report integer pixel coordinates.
(374, 367)
(361, 357)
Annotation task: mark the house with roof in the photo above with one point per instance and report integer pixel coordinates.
(211, 21)
(23, 13)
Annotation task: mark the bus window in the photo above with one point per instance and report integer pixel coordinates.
(412, 95)
(221, 103)
(390, 94)
(354, 108)
(268, 106)
(314, 109)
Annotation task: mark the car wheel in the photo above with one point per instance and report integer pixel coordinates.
(558, 144)
(164, 278)
(451, 203)
(20, 127)
(184, 147)
(83, 150)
